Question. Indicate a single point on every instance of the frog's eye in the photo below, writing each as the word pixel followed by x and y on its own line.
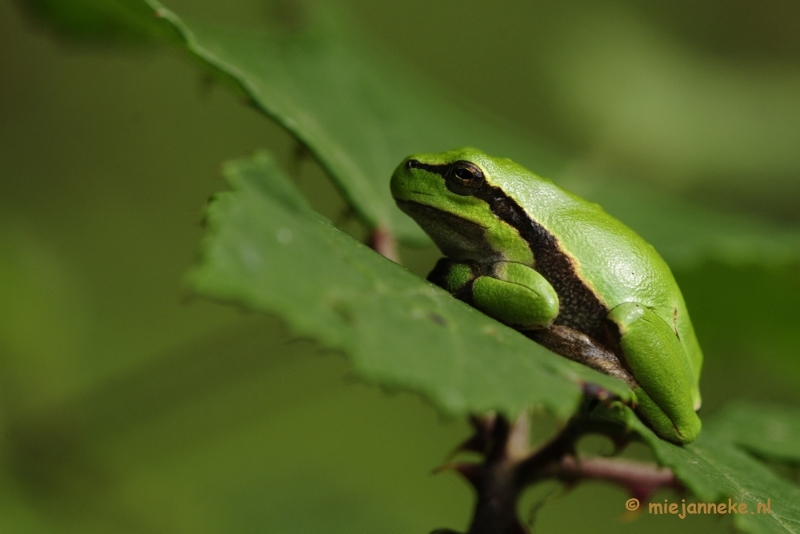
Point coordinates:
pixel 464 178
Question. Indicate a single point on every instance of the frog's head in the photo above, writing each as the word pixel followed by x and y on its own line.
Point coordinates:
pixel 449 196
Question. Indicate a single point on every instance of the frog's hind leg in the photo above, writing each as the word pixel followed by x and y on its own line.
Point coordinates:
pixel 653 354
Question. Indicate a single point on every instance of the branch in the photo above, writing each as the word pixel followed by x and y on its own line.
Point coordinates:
pixel 640 479
pixel 510 465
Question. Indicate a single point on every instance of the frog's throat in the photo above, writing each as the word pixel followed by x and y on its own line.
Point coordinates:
pixel 457 238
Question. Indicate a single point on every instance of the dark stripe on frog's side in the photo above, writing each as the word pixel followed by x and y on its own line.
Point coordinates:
pixel 579 307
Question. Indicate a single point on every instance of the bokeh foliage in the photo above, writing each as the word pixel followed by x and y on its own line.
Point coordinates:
pixel 120 447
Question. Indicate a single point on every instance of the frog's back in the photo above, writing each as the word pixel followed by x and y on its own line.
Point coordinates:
pixel 593 260
pixel 615 261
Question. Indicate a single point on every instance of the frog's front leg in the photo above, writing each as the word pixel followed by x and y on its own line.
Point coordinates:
pixel 512 293
pixel 656 358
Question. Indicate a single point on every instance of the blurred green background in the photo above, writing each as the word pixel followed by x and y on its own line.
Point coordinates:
pixel 128 406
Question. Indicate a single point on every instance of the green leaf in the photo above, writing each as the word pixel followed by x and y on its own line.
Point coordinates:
pixel 267 251
pixel 359 115
pixel 770 431
pixel 100 21
pixel 715 470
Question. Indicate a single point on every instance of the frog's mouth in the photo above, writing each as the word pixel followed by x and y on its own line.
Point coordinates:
pixel 457 238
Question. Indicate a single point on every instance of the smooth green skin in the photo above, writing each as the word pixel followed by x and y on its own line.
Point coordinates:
pixel 657 344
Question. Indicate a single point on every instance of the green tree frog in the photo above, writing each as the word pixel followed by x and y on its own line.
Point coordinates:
pixel 561 271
